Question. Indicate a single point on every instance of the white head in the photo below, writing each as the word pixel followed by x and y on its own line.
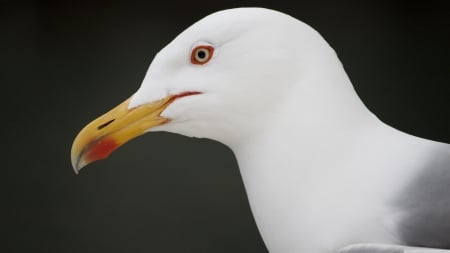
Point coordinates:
pixel 241 64
pixel 258 54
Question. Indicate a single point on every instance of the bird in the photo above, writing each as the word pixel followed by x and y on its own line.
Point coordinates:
pixel 321 171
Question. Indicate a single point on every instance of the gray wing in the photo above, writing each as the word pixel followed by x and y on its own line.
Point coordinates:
pixel 426 205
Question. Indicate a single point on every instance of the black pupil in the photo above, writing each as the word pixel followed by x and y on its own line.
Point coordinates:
pixel 201 54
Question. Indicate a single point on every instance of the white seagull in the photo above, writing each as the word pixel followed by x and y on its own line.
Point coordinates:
pixel 322 173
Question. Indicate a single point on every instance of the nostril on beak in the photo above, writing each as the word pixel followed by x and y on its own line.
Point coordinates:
pixel 105 124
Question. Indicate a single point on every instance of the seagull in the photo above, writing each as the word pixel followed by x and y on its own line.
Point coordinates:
pixel 322 173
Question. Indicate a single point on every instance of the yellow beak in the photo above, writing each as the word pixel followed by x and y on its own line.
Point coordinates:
pixel 105 134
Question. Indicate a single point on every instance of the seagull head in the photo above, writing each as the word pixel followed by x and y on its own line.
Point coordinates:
pixel 223 78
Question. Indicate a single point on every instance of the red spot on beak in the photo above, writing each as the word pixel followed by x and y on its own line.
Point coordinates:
pixel 101 149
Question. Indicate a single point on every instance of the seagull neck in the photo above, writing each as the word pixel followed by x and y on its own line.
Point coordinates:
pixel 299 149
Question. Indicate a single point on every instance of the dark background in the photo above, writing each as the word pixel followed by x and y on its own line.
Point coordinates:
pixel 66 64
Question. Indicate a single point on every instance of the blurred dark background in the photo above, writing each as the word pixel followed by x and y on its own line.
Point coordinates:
pixel 67 63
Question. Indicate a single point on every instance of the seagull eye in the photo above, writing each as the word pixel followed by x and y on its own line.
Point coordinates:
pixel 201 54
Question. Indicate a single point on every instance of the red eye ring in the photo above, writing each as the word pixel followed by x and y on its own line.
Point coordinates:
pixel 201 54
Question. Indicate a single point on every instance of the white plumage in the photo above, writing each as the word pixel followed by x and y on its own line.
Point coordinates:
pixel 320 170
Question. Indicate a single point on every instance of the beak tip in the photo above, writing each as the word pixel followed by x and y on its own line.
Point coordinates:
pixel 77 164
pixel 75 167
